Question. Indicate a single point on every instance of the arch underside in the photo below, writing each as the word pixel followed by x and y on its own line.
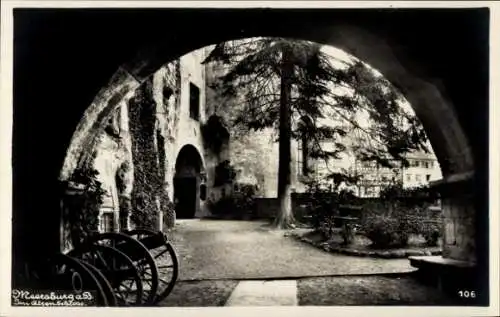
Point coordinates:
pixel 425 61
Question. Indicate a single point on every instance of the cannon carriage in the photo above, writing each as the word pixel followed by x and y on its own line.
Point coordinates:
pixel 120 266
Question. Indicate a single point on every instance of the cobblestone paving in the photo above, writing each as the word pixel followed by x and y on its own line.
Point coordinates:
pixel 218 249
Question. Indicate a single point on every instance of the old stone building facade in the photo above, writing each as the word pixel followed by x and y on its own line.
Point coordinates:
pixel 152 149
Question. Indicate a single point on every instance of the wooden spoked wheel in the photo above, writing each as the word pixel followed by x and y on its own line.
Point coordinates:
pixel 165 257
pixel 66 273
pixel 106 286
pixel 139 255
pixel 117 268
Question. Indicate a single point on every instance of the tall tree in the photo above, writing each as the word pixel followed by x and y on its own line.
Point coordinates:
pixel 285 216
pixel 295 86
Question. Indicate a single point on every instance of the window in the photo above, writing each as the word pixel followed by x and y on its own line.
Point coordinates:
pixel 426 164
pixel 428 177
pixel 431 164
pixel 369 191
pixel 408 177
pixel 417 178
pixel 194 101
pixel 107 222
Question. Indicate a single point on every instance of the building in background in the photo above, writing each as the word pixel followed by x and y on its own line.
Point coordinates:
pixel 423 168
pixel 152 150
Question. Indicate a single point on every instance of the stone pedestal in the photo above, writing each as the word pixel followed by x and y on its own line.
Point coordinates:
pixel 459 229
pixel 456 270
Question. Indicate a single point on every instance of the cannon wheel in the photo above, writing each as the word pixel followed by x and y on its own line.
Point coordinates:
pixel 66 273
pixel 117 268
pixel 140 256
pixel 166 260
pixel 106 286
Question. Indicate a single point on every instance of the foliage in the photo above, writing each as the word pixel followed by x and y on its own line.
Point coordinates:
pixel 84 206
pixel 272 79
pixel 168 210
pixel 385 231
pixel 343 177
pixel 147 181
pixel 390 221
pixel 224 173
pixel 253 70
pixel 431 231
pixel 423 194
pixel 239 204
pixel 406 211
pixel 214 133
pixel 324 206
pixel 244 197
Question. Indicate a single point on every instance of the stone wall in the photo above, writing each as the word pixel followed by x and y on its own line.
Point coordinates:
pixel 113 152
pixel 459 218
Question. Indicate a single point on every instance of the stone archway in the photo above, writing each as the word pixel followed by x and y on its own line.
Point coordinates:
pixel 418 58
pixel 413 77
pixel 188 181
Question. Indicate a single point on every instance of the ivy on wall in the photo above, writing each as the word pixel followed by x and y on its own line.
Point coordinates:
pixel 149 194
pixel 147 181
pixel 166 204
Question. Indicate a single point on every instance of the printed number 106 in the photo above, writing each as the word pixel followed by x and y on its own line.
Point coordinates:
pixel 467 294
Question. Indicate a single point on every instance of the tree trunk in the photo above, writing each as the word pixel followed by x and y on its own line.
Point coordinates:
pixel 284 218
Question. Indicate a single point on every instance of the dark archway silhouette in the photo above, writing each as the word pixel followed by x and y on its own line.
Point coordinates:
pixel 59 74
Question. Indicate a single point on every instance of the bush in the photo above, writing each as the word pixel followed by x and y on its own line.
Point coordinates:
pixel 84 207
pixel 325 227
pixel 391 223
pixel 168 210
pixel 240 204
pixel 431 231
pixel 385 231
pixel 323 206
pixel 222 206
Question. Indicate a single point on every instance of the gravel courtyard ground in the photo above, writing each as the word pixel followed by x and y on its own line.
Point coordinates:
pixel 216 255
pixel 236 250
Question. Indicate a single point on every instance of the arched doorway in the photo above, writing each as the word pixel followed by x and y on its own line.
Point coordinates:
pixel 188 182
